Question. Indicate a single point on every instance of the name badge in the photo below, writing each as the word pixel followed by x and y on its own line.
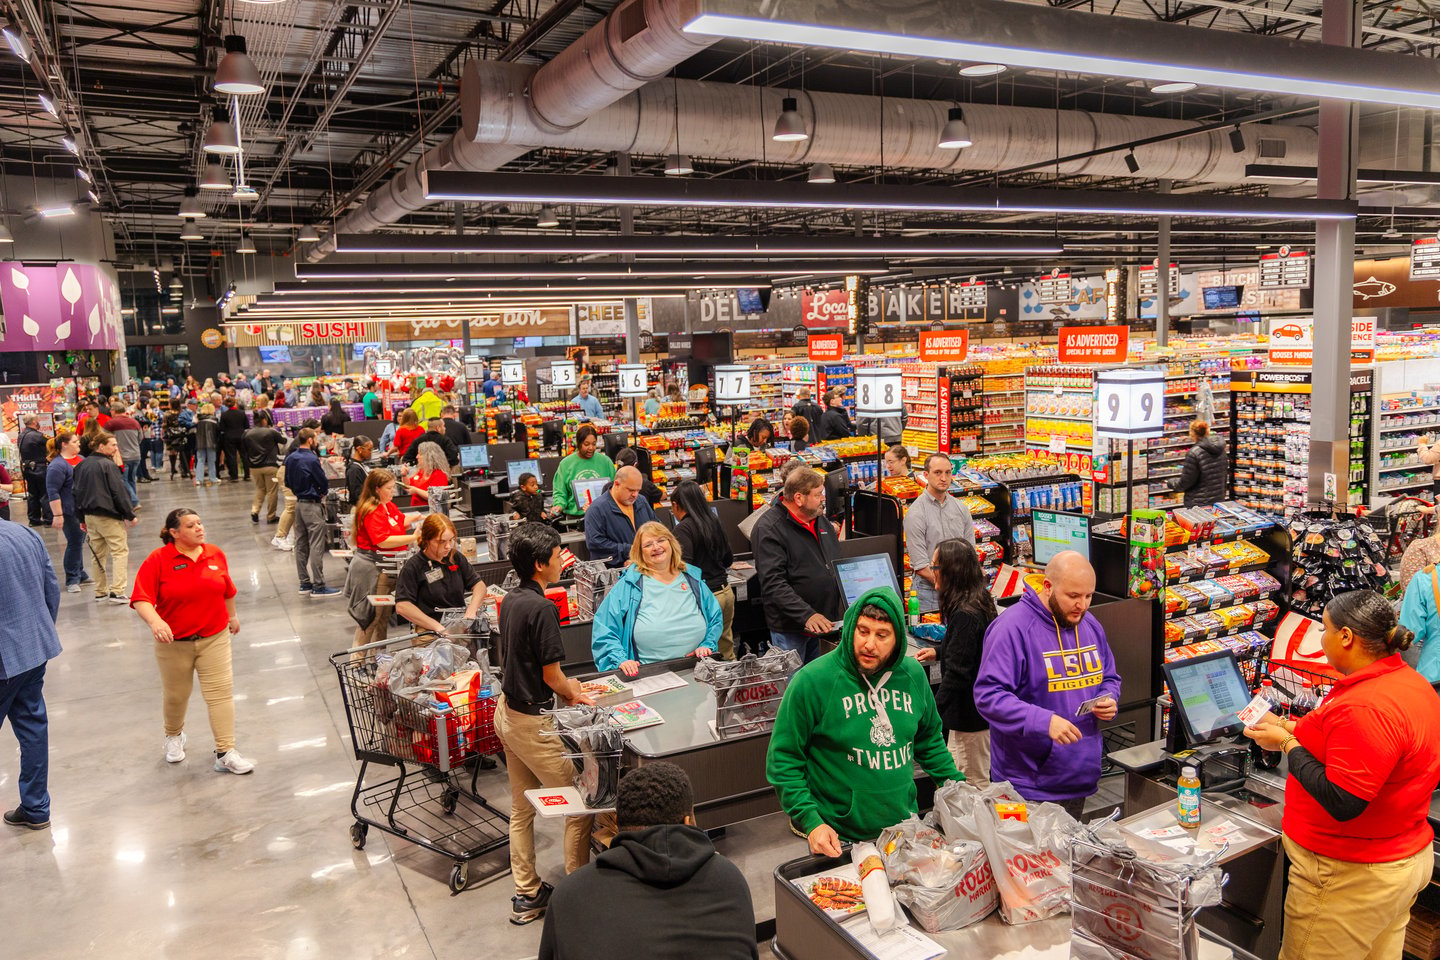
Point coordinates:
pixel 434 576
pixel 214 567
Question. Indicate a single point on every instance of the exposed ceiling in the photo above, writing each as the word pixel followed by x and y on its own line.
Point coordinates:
pixel 358 90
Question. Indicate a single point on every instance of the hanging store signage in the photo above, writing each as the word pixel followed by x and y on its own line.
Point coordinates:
pixel 1094 344
pixel 562 373
pixel 212 338
pixel 1362 339
pixel 243 334
pixel 541 322
pixel 949 346
pixel 1116 299
pixel 1292 340
pixel 633 380
pixel 878 392
pixel 857 293
pixel 825 347
pixel 1285 269
pixel 1425 259
pixel 1055 288
pixel 512 371
pixel 732 384
pixel 474 368
pixel 824 308
pixel 1150 281
pixel 971 295
pixel 1129 404
pixel 70 306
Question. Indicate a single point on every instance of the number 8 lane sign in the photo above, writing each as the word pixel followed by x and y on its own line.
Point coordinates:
pixel 1129 404
pixel 877 392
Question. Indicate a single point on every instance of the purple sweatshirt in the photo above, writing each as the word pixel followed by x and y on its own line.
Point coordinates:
pixel 1026 676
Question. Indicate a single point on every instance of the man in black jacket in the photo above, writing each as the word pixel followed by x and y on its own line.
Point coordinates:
pixel 103 503
pixel 835 422
pixel 434 433
pixel 261 444
pixel 355 470
pixel 32 468
pixel 810 410
pixel 794 545
pixel 660 890
pixel 306 478
pixel 454 429
pixel 232 432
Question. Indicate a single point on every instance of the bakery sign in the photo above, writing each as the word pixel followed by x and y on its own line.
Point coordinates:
pixel 268 334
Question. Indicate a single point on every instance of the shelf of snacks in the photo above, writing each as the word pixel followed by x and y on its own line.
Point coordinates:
pixel 819 377
pixel 1003 412
pixel 943 406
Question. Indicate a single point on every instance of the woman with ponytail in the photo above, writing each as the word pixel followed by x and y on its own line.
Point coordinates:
pixel 1363 768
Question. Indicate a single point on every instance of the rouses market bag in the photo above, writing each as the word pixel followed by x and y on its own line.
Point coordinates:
pixel 1030 858
pixel 945 884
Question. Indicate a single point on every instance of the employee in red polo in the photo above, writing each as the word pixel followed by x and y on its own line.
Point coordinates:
pixel 185 595
pixel 1363 768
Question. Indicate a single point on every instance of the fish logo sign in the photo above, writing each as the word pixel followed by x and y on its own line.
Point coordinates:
pixel 1372 288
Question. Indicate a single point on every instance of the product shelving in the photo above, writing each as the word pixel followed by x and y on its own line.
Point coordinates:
pixel 819 377
pixel 943 406
pixel 1402 421
pixel 1059 401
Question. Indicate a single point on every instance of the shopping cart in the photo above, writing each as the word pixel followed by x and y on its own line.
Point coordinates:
pixel 430 801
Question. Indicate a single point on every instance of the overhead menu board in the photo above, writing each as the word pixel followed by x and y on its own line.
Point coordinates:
pixel 1285 270
pixel 970 295
pixel 1425 259
pixel 1150 281
pixel 1055 288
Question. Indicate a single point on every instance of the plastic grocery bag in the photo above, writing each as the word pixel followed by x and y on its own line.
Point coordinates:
pixel 945 884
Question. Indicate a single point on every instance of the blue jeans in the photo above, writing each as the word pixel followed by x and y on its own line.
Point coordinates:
pixel 157 454
pixel 74 561
pixel 132 470
pixel 205 466
pixel 805 644
pixel 22 702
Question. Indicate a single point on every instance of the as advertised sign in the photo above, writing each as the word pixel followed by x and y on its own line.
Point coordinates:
pixel 826 347
pixel 877 392
pixel 633 381
pixel 732 384
pixel 1292 340
pixel 1129 404
pixel 824 308
pixel 512 371
pixel 948 346
pixel 1094 344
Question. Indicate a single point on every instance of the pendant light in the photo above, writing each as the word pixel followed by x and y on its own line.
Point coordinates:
pixel 1131 163
pixel 191 230
pixel 190 206
pixel 222 137
pixel 15 37
pixel 956 134
pixel 246 245
pixel 245 192
pixel 789 126
pixel 308 234
pixel 821 173
pixel 236 74
pixel 678 165
pixel 547 217
pixel 215 177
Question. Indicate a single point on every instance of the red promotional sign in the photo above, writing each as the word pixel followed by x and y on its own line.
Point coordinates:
pixel 826 347
pixel 553 800
pixel 1094 344
pixel 944 346
pixel 825 308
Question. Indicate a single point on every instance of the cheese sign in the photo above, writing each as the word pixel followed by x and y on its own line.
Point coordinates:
pixel 633 382
pixel 944 346
pixel 826 347
pixel 512 371
pixel 1094 344
pixel 732 384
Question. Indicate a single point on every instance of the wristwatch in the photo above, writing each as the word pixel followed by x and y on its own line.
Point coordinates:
pixel 1285 745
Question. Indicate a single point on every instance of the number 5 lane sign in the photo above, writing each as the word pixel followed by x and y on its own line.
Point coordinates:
pixel 1129 404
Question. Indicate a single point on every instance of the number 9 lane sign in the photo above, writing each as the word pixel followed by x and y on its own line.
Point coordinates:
pixel 732 385
pixel 1129 404
pixel 878 392
pixel 632 379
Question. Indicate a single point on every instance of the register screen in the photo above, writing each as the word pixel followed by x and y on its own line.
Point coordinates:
pixel 1209 691
pixel 864 573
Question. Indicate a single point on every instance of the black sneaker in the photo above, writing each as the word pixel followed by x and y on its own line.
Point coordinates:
pixel 254 518
pixel 17 819
pixel 523 910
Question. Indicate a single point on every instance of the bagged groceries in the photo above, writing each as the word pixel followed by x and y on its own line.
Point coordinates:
pixel 593 741
pixel 945 884
pixel 1027 845
pixel 748 691
pixel 874 886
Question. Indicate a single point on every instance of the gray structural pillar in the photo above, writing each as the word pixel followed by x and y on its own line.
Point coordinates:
pixel 1162 278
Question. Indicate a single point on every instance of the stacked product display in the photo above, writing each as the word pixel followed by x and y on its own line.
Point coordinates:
pixel 1333 557
pixel 819 377
pixel 1403 422
pixel 1004 408
pixel 1059 424
pixel 943 406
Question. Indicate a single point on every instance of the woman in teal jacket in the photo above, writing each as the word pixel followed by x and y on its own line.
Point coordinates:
pixel 660 609
pixel 1419 614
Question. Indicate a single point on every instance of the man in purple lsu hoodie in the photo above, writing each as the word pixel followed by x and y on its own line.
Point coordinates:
pixel 1044 658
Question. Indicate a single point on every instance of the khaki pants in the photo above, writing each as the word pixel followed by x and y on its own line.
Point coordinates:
pixel 209 657
pixel 533 761
pixel 380 624
pixel 111 540
pixel 1337 910
pixel 287 517
pixel 267 490
pixel 726 599
pixel 972 755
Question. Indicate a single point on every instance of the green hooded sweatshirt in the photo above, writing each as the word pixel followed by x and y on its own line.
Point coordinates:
pixel 832 759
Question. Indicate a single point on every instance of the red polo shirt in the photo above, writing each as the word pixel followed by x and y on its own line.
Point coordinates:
pixel 380 524
pixel 808 524
pixel 436 478
pixel 188 594
pixel 1378 734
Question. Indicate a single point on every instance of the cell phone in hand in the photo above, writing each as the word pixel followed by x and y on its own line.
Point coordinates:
pixel 1088 705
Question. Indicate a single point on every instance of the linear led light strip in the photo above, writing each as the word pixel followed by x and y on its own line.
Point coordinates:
pixel 579 271
pixel 1071 41
pixel 716 246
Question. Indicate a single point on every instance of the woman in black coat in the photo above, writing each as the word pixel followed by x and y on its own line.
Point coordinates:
pixel 967 609
pixel 1204 476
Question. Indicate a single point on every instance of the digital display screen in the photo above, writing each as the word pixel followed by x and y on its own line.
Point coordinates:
pixel 859 574
pixel 1209 692
pixel 474 456
pixel 358 349
pixel 1056 532
pixel 588 491
pixel 1221 298
pixel 749 298
pixel 516 467
pixel 274 354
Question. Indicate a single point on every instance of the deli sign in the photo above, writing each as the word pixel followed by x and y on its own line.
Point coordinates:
pixel 825 308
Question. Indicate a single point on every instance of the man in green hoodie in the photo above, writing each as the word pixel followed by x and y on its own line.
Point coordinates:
pixel 850 728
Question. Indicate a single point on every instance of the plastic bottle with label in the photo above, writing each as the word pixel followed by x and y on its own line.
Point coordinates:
pixel 1187 811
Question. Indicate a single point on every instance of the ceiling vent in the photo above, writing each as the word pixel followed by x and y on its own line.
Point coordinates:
pixel 1272 149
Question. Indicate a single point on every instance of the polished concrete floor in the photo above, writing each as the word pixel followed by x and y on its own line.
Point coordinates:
pixel 158 861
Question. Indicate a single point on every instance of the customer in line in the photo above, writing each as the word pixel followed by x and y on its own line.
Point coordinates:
pixel 659 609
pixel 852 726
pixel 455 431
pixel 799 433
pixel 305 478
pixel 379 531
pixel 437 577
pixel 262 453
pixel 1030 688
pixel 370 401
pixel 1206 468
pixel 427 405
pixel 355 469
pixel 184 594
pixel 589 404
pixel 431 471
pixel 967 609
pixel 434 433
pixel 60 488
pixel 835 422
pixel 808 410
pixel 652 402
pixel 760 434
pixel 649 489
pixel 897 460
pixel 794 545
pixel 334 421
pixel 232 433
pixel 128 434
pixel 28 641
pixel 661 869
pixel 703 545
pixel 586 463
pixel 933 517
pixel 177 438
pixel 612 521
pixel 207 445
pixel 103 505
pixel 1363 769
pixel 1423 553
pixel 527 502
pixel 406 433
pixel 531 651
pixel 284 538
pixel 32 448
pixel 387 435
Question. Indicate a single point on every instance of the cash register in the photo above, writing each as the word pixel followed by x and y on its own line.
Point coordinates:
pixel 1207 694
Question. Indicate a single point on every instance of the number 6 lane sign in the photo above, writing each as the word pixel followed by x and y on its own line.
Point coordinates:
pixel 632 379
pixel 1129 404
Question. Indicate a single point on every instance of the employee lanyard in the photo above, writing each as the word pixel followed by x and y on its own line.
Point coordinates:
pixel 882 730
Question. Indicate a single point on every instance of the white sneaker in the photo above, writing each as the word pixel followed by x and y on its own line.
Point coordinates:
pixel 232 762
pixel 175 748
pixel 288 544
pixel 73 588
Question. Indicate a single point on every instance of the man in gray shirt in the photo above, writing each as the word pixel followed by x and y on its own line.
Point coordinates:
pixel 934 517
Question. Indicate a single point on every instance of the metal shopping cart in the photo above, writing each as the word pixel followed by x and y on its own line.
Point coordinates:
pixel 434 745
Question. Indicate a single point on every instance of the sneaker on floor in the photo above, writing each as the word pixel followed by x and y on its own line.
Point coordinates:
pixel 305 589
pixel 101 597
pixel 175 748
pixel 254 518
pixel 119 598
pixel 232 762
pixel 525 910
pixel 17 818
pixel 86 580
pixel 72 588
pixel 324 593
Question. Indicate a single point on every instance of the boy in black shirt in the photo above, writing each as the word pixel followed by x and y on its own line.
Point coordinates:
pixel 527 503
pixel 532 650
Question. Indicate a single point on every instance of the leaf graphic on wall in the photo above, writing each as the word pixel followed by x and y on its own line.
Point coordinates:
pixel 70 287
pixel 28 324
pixel 94 320
pixel 62 332
pixel 21 281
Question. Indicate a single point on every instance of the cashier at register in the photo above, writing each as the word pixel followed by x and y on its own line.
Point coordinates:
pixel 1363 769
pixel 437 577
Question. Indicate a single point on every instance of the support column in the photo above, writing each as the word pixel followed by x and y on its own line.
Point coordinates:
pixel 1162 278
pixel 1334 278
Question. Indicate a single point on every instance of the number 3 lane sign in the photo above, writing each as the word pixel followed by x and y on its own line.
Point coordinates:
pixel 1129 404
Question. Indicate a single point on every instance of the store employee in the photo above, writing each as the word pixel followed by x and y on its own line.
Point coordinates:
pixel 437 578
pixel 933 518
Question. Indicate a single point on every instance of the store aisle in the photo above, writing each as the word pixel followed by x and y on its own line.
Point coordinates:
pixel 146 859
